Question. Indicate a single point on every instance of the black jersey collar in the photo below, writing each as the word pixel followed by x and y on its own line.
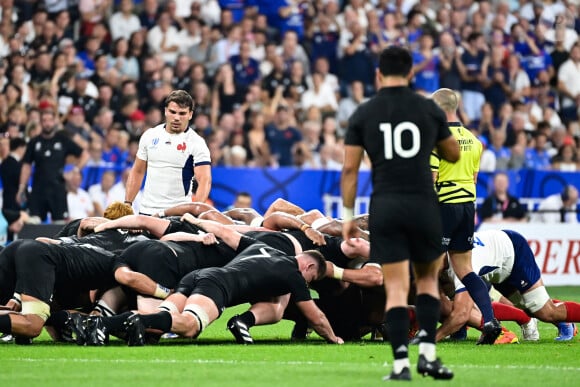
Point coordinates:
pixel 455 123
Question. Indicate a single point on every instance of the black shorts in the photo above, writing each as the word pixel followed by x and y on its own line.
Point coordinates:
pixel 50 199
pixel 196 283
pixel 404 227
pixel 458 221
pixel 153 258
pixel 36 270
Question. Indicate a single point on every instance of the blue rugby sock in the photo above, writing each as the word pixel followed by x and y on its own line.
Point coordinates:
pixel 478 291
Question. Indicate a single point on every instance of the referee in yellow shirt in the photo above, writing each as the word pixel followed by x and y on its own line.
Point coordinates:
pixel 455 186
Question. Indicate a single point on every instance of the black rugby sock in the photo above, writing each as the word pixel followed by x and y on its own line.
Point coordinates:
pixel 5 324
pixel 115 323
pixel 248 318
pixel 397 320
pixel 58 319
pixel 428 311
pixel 161 320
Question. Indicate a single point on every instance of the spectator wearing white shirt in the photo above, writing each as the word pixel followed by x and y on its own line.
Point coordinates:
pixel 322 67
pixel 320 96
pixel 124 22
pixel 164 39
pixel 348 105
pixel 559 207
pixel 100 192
pixel 78 200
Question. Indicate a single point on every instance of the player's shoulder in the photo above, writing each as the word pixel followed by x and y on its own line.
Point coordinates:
pixel 154 131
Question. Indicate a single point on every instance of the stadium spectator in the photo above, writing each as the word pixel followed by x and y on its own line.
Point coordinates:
pixel 559 207
pixel 100 192
pixel 472 65
pixel 281 136
pixel 124 22
pixel 10 173
pixel 79 202
pixel 500 205
pixel 566 159
pixel 163 39
pixel 537 157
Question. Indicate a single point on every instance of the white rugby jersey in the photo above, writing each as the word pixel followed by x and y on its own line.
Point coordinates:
pixel 170 161
pixel 492 257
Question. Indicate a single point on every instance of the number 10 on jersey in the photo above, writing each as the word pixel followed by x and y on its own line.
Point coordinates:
pixel 394 142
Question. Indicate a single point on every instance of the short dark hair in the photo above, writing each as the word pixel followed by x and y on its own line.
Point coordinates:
pixel 395 61
pixel 16 142
pixel 320 262
pixel 181 98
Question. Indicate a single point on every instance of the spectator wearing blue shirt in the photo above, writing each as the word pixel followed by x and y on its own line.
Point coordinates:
pixel 324 43
pixel 497 87
pixel 236 7
pixel 473 69
pixel 426 66
pixel 356 63
pixel 281 136
pixel 501 152
pixel 246 69
pixel 538 157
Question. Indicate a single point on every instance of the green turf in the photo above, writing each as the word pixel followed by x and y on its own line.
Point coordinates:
pixel 214 360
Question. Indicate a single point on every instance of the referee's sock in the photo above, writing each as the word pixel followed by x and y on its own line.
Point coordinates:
pixel 397 322
pixel 478 291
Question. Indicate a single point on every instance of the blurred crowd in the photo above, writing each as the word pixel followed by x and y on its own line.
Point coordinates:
pixel 275 81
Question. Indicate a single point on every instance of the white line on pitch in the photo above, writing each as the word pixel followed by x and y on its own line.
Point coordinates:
pixel 297 362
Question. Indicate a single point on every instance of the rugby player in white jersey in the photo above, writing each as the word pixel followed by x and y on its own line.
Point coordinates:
pixel 175 159
pixel 504 259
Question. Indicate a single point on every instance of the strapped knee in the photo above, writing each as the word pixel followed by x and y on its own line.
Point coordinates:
pixel 200 314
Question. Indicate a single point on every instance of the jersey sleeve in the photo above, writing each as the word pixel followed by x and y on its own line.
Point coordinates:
pixel 29 154
pixel 478 151
pixel 143 142
pixel 299 288
pixel 434 161
pixel 72 148
pixel 200 152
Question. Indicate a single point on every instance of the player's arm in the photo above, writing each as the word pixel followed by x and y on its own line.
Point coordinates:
pixel 367 276
pixel 459 316
pixel 282 220
pixel 135 179
pixel 206 239
pixel 87 225
pixel 281 205
pixel 348 185
pixel 140 283
pixel 318 321
pixel 203 176
pixel 227 234
pixel 155 226
pixel 194 208
pixel 448 149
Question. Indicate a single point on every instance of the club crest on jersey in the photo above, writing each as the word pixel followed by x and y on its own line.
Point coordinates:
pixel 182 147
pixel 155 141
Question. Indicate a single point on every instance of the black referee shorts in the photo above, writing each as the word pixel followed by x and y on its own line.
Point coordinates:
pixel 458 221
pixel 404 227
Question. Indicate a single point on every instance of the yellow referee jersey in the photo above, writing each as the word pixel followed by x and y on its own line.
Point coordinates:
pixel 455 182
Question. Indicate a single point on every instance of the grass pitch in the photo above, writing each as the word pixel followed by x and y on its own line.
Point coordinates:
pixel 215 360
